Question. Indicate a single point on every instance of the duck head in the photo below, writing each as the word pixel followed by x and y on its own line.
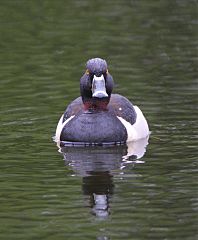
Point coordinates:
pixel 96 85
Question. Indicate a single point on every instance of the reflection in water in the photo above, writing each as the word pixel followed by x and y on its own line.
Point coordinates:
pixel 99 187
pixel 97 165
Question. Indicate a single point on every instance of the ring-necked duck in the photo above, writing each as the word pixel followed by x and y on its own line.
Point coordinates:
pixel 99 117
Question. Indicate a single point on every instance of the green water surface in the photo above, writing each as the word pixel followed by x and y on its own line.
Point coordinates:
pixel 151 50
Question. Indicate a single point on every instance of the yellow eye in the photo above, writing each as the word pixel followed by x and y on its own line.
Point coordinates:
pixel 87 72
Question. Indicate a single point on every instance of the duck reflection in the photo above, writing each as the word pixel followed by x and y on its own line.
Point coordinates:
pixel 99 187
pixel 97 166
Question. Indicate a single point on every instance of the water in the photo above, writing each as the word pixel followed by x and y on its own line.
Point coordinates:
pixel 96 193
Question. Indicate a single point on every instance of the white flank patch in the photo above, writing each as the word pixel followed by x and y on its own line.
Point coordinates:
pixel 139 129
pixel 137 148
pixel 60 127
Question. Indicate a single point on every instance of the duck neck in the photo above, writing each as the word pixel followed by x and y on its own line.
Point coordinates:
pixel 96 104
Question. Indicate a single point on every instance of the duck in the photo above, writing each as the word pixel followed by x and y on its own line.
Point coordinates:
pixel 98 116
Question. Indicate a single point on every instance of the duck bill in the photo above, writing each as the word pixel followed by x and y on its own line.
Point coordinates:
pixel 98 87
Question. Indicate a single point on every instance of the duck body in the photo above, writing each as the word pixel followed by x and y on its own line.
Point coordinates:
pixel 99 117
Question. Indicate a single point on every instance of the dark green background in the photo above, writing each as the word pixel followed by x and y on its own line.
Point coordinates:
pixel 150 47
